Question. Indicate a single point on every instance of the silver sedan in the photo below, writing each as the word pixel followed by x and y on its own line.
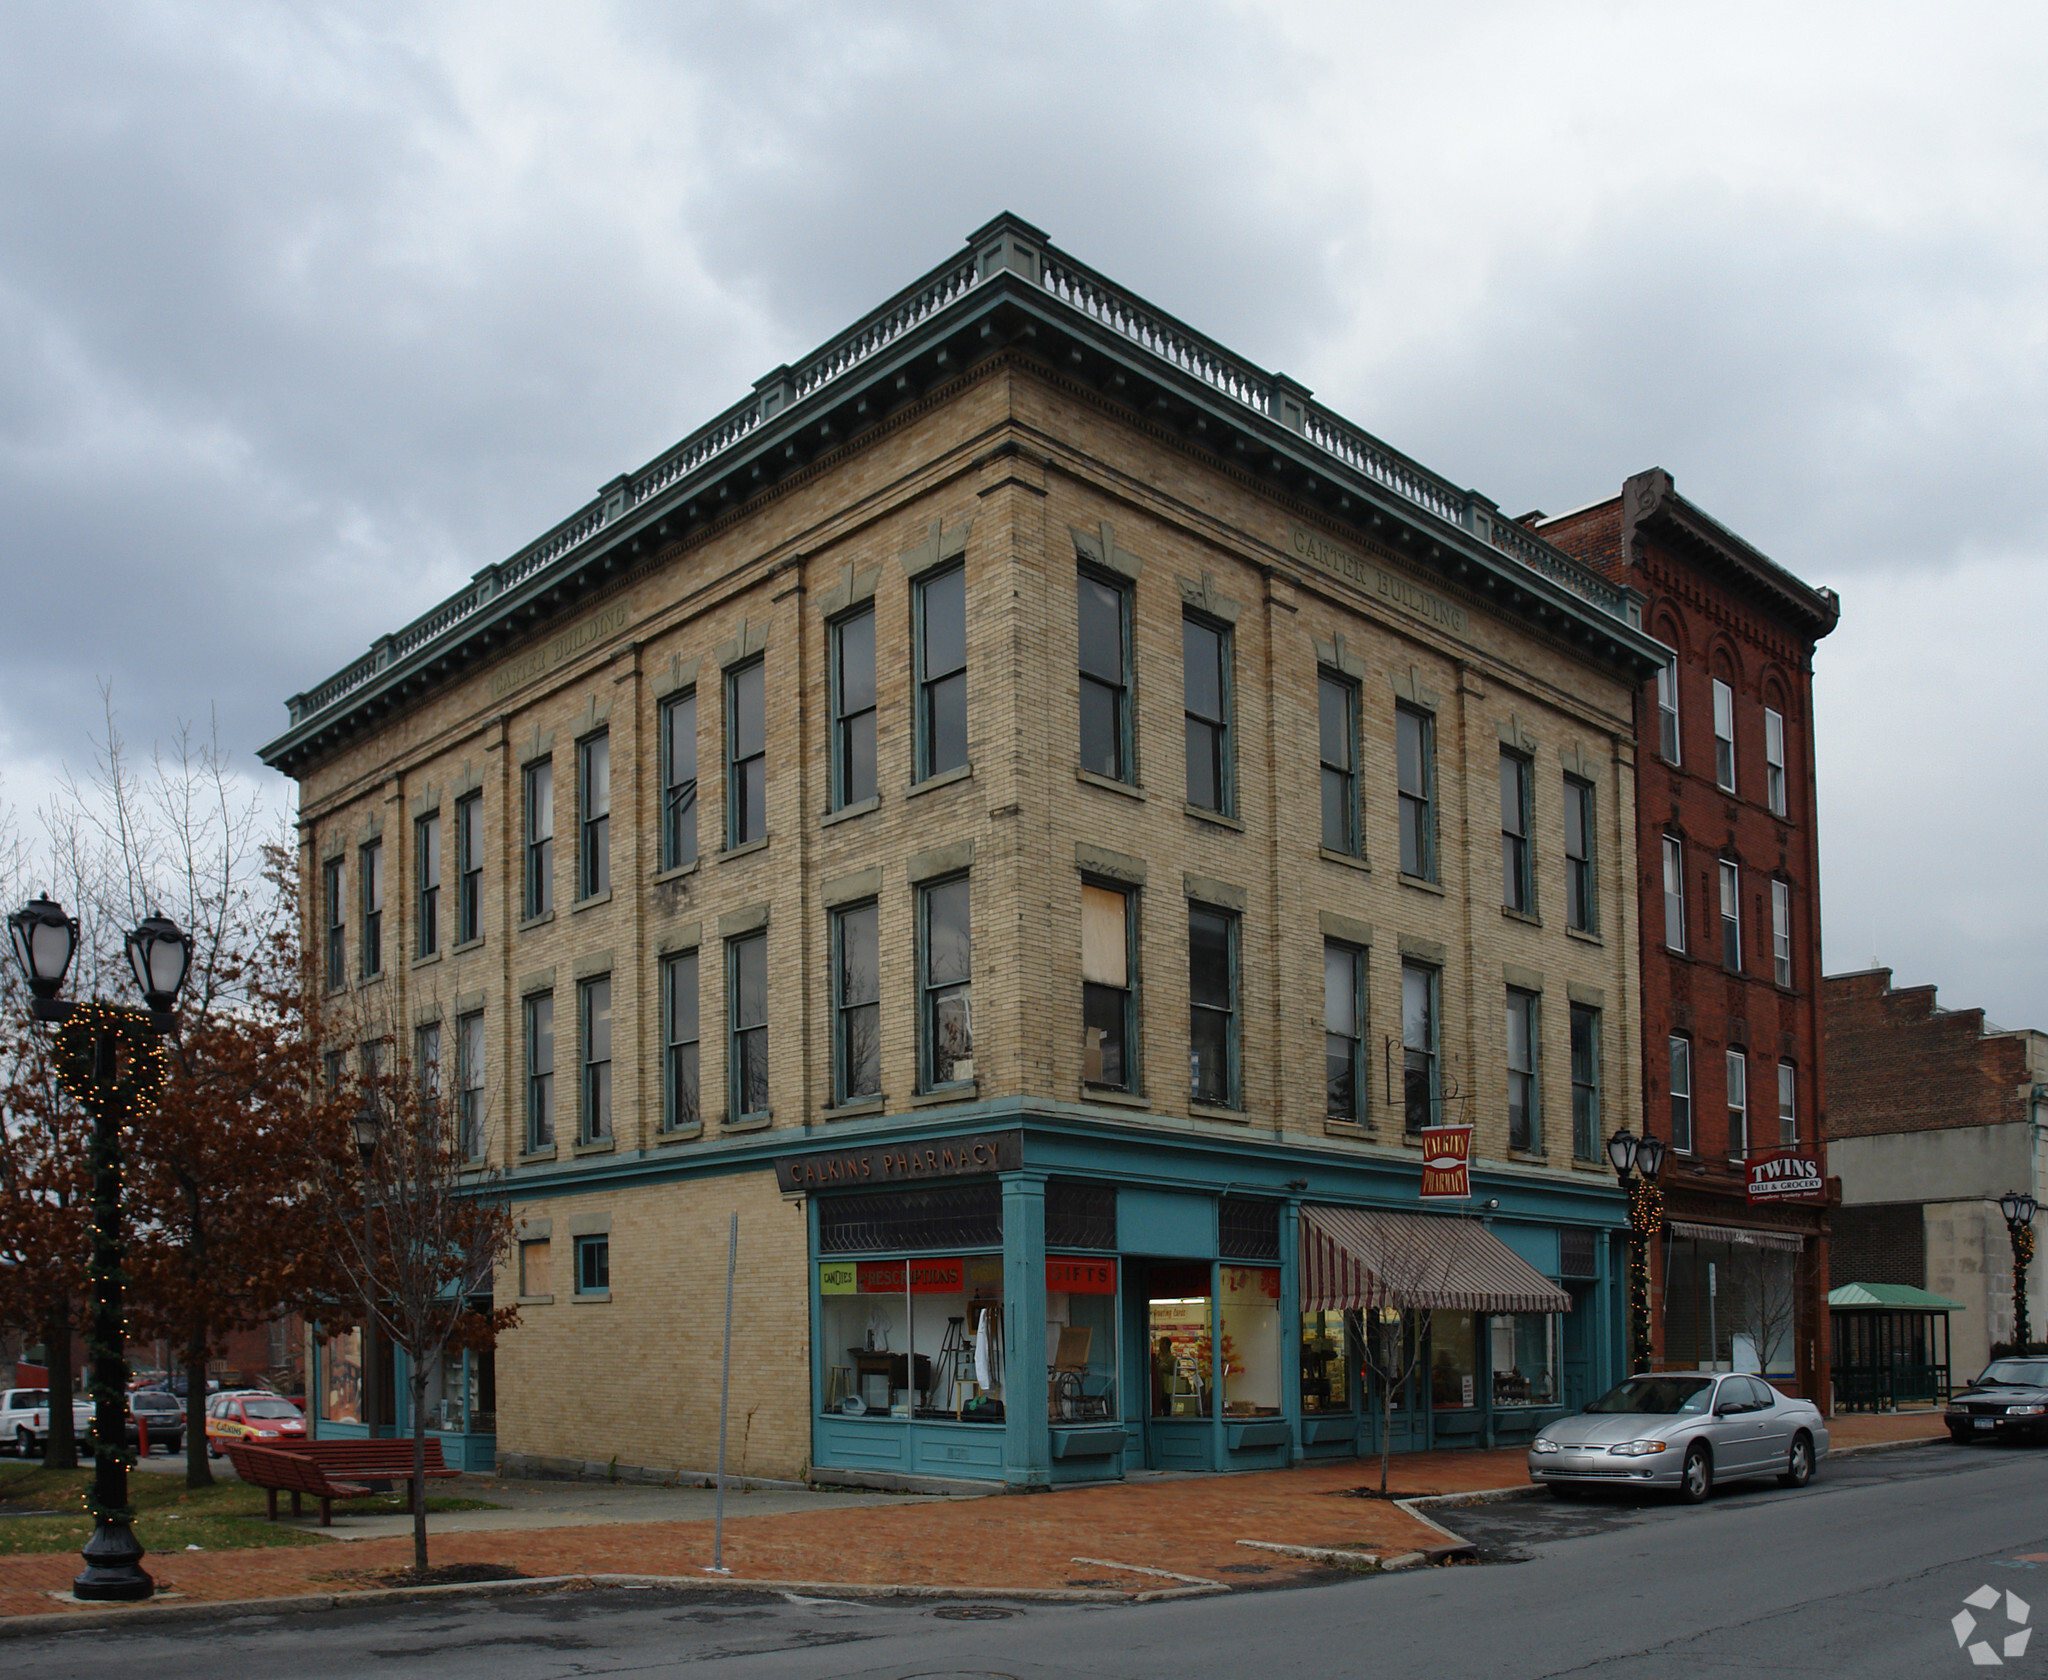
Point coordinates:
pixel 1683 1432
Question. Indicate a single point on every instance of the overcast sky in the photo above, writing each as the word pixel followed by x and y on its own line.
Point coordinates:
pixel 308 311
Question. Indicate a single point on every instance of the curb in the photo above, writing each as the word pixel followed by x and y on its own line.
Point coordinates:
pixel 222 1609
pixel 1888 1446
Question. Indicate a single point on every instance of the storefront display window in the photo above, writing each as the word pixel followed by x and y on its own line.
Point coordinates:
pixel 1325 1363
pixel 341 1371
pixel 1251 1340
pixel 1081 1338
pixel 1453 1360
pixel 914 1338
pixel 1524 1349
pixel 1178 1333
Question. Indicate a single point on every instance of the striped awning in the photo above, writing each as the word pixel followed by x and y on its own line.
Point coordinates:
pixel 1790 1242
pixel 1362 1257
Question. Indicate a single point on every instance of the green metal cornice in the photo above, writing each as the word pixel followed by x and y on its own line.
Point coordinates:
pixel 1011 290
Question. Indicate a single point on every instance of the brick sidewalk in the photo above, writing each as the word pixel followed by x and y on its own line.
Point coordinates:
pixel 1189 1526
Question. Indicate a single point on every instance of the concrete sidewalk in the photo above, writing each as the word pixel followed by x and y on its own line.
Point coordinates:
pixel 1133 1537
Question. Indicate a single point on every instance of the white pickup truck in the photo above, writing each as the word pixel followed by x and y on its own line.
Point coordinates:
pixel 25 1418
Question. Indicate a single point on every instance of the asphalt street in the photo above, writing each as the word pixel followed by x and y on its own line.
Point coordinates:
pixel 1860 1574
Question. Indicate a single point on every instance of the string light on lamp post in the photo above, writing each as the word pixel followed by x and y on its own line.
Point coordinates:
pixel 1637 1161
pixel 111 1062
pixel 2019 1209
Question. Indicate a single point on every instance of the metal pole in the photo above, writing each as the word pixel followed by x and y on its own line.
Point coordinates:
pixel 113 1556
pixel 732 1255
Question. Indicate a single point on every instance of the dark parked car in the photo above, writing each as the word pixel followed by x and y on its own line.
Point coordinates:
pixel 2010 1400
pixel 165 1415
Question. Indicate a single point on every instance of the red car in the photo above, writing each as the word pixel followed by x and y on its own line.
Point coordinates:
pixel 251 1417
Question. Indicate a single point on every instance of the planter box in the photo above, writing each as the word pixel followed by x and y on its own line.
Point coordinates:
pixel 1266 1432
pixel 1089 1443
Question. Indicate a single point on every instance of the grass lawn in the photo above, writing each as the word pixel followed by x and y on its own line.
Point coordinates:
pixel 169 1516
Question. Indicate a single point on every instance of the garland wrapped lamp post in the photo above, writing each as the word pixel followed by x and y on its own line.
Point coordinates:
pixel 1636 1163
pixel 110 1062
pixel 2019 1209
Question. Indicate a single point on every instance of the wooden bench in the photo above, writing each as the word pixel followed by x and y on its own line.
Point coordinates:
pixel 363 1467
pixel 276 1472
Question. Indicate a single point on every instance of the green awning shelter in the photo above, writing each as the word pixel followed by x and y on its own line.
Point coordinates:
pixel 1890 1344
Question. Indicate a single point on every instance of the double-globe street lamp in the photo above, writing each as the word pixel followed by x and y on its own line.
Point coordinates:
pixel 2019 1209
pixel 1637 1161
pixel 111 1062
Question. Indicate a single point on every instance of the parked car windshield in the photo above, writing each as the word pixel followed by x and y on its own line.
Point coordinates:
pixel 269 1409
pixel 2016 1373
pixel 1657 1396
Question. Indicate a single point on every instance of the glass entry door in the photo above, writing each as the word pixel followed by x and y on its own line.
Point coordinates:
pixel 1396 1347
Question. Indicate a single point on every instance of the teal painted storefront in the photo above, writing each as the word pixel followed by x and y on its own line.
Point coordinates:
pixel 1197 1215
pixel 461 1413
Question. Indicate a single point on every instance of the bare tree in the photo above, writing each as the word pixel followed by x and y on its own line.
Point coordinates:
pixel 418 1229
pixel 1765 1299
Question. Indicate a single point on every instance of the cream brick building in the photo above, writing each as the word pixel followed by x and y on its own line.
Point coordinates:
pixel 994 724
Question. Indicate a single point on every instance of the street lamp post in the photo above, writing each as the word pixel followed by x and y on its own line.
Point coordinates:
pixel 1637 1161
pixel 111 1062
pixel 2019 1209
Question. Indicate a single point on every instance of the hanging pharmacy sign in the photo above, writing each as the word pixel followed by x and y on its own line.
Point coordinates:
pixel 1788 1175
pixel 1446 1158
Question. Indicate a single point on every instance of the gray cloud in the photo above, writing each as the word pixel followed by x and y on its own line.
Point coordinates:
pixel 308 310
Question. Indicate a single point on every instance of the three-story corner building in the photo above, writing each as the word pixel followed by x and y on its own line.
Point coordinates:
pixel 1729 876
pixel 1034 814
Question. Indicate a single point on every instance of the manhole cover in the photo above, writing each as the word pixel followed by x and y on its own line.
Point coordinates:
pixel 973 1613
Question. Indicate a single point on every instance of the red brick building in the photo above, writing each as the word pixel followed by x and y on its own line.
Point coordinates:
pixel 1730 928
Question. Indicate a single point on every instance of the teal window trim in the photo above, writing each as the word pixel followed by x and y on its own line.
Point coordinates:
pixel 677 723
pixel 928 683
pixel 593 1262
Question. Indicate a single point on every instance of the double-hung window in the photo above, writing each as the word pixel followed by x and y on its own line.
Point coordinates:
pixel 1419 1089
pixel 1724 736
pixel 941 608
pixel 1415 767
pixel 1107 1015
pixel 1738 1104
pixel 1212 1006
pixel 1517 876
pixel 1525 1119
pixel 334 893
pixel 746 754
pixel 945 984
pixel 594 1265
pixel 426 1068
pixel 426 851
pixel 539 802
pixel 1581 899
pixel 1105 624
pixel 857 1007
pixel 1205 678
pixel 469 868
pixel 1667 709
pixel 681 1105
pixel 1731 917
pixel 747 1012
pixel 540 1072
pixel 1681 1093
pixel 1774 759
pixel 1585 1082
pixel 1674 893
pixel 853 709
pixel 679 780
pixel 594 1027
pixel 1788 1103
pixel 373 908
pixel 469 1085
pixel 1337 731
pixel 1781 932
pixel 594 816
pixel 1343 1032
